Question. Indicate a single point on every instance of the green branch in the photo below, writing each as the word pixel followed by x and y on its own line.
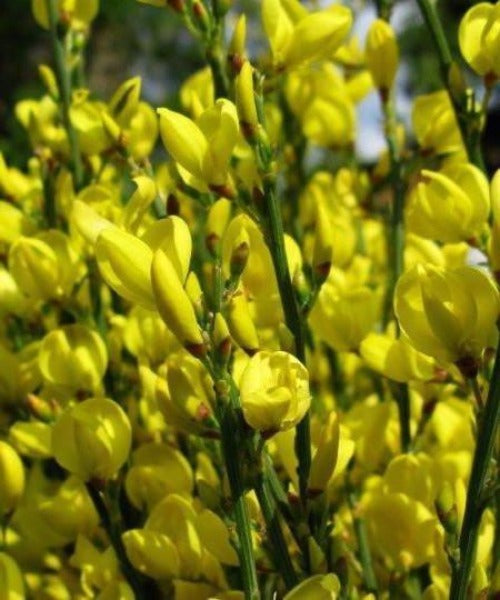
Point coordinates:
pixel 64 83
pixel 475 502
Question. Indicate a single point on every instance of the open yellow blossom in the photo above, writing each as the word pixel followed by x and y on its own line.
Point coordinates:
pixel 274 391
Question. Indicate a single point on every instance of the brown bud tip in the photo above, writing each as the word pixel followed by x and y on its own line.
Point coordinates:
pixel 173 206
pixel 203 412
pixel 323 270
pixel 312 493
pixel 469 366
pixel 223 191
pixel 197 350
pixel 212 243
pixel 249 131
pixel 177 5
pixel 235 62
pixel 225 348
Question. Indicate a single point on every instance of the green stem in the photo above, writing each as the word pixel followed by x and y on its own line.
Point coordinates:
pixel 64 83
pixel 365 557
pixel 471 139
pixel 474 505
pixel 133 578
pixel 275 240
pixel 232 453
pixel 401 394
pixel 215 56
pixel 281 555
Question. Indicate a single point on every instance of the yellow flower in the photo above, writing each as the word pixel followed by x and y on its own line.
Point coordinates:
pixel 202 150
pixel 449 314
pixel 317 587
pixel 11 479
pixel 11 578
pixel 173 303
pixel 395 358
pixel 73 356
pixel 152 553
pixel 342 315
pixel 274 389
pixel 245 99
pixel 449 206
pixel 479 38
pixel 92 439
pixel 79 12
pixel 157 470
pixel 325 458
pixel 435 124
pixel 297 37
pixel 382 54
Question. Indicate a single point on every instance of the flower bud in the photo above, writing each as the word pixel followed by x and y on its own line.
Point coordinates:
pixel 446 509
pixel 245 102
pixel 236 54
pixel 241 325
pixel 217 220
pixel 11 479
pixel 479 39
pixel 73 356
pixel 240 253
pixel 152 553
pixel 125 262
pixel 174 305
pixel 92 439
pixel 221 338
pixel 317 587
pixel 382 55
pixel 274 390
pixel 323 247
pixel 325 458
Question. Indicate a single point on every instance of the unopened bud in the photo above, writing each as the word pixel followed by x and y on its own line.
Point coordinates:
pixel 236 55
pixel 446 509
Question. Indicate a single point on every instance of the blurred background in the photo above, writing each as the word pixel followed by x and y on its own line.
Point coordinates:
pixel 130 38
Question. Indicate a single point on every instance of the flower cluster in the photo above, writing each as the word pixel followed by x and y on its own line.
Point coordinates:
pixel 254 367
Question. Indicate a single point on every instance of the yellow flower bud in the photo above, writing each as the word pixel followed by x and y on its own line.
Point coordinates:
pixel 382 54
pixel 11 579
pixel 236 52
pixel 325 459
pixel 139 203
pixel 322 252
pixel 13 223
pixel 330 122
pixel 157 470
pixel 317 587
pixel 214 535
pixel 449 314
pixel 125 263
pixel 245 100
pixel 173 237
pixel 479 38
pixel 450 206
pixel 73 356
pixel 274 389
pixel 152 553
pixel 88 222
pixel 173 303
pixel 197 92
pixel 217 220
pixel 11 479
pixel 92 439
pixel 241 324
pixel 221 336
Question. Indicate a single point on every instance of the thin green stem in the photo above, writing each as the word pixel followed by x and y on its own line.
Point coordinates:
pixel 64 82
pixel 471 136
pixel 365 557
pixel 243 526
pixel 275 240
pixel 281 556
pixel 132 577
pixel 401 394
pixel 475 502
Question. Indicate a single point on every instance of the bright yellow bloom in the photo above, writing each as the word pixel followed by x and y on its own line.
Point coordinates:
pixel 73 356
pixel 245 99
pixel 152 553
pixel 325 459
pixel 449 314
pixel 11 479
pixel 297 37
pixel 382 54
pixel 449 206
pixel 479 38
pixel 203 149
pixel 92 439
pixel 274 391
